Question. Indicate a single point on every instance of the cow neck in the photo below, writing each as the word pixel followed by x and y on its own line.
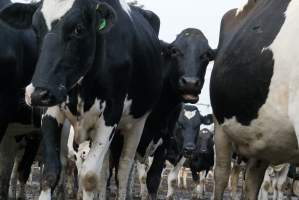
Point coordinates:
pixel 169 99
pixel 92 84
pixel 4 3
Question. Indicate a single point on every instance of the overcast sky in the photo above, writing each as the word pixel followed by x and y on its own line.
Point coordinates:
pixel 177 15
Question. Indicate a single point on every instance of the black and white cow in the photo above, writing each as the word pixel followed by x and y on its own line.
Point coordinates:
pixel 100 67
pixel 18 55
pixel 253 90
pixel 179 143
pixel 188 145
pixel 184 62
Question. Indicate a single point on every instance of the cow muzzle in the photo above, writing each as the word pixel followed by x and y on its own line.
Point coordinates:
pixel 39 97
pixel 190 89
pixel 189 150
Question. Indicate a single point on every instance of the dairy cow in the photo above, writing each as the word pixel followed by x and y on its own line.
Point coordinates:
pixel 253 90
pixel 185 61
pixel 99 66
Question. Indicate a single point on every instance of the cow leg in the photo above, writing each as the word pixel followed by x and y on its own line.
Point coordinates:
pixel 198 192
pixel 172 176
pixel 185 175
pixel 60 191
pixel 131 141
pixel 92 166
pixel 8 151
pixel 223 152
pixel 234 180
pixel 180 176
pixel 282 181
pixel 265 188
pixel 102 186
pixel 254 177
pixel 3 128
pixel 141 168
pixel 14 175
pixel 24 168
pixel 153 178
pixel 51 132
pixel 131 182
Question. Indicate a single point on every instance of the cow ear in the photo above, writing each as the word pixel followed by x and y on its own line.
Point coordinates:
pixel 169 51
pixel 208 119
pixel 19 15
pixel 107 17
pixel 212 54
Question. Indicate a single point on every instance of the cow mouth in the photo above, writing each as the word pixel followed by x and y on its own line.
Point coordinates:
pixel 190 98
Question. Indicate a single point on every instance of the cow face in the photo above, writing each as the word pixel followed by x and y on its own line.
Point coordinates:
pixel 69 35
pixel 188 57
pixel 205 141
pixel 187 128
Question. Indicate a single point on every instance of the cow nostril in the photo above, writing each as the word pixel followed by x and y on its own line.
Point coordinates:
pixel 197 83
pixel 189 149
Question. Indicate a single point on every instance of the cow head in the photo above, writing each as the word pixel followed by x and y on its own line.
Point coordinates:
pixel 69 35
pixel 187 128
pixel 205 141
pixel 187 59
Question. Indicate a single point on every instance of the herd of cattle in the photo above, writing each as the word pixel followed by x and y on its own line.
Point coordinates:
pixel 103 93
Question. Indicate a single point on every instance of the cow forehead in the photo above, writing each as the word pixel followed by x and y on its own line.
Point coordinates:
pixel 189 114
pixel 53 10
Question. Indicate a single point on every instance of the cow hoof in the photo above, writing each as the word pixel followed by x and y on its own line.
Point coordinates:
pixel 170 198
pixel 197 196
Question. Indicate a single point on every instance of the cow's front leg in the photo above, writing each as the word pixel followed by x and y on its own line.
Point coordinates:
pixel 51 132
pixel 3 128
pixel 153 178
pixel 254 178
pixel 92 166
pixel 172 177
pixel 223 149
pixel 131 141
pixel 8 150
pixel 141 169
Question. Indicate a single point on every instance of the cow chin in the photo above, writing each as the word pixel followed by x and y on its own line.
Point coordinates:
pixel 190 98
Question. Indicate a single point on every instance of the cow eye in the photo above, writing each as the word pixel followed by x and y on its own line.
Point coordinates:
pixel 79 30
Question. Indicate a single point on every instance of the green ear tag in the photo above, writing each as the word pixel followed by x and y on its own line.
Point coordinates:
pixel 103 24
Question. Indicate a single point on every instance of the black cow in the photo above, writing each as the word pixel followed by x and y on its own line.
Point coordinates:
pixel 99 66
pixel 185 61
pixel 188 145
pixel 18 55
pixel 254 91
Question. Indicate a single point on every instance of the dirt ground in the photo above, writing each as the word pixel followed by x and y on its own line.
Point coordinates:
pixel 32 188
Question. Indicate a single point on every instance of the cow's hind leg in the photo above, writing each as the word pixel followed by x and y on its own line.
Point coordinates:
pixel 131 141
pixel 234 180
pixel 254 178
pixel 223 149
